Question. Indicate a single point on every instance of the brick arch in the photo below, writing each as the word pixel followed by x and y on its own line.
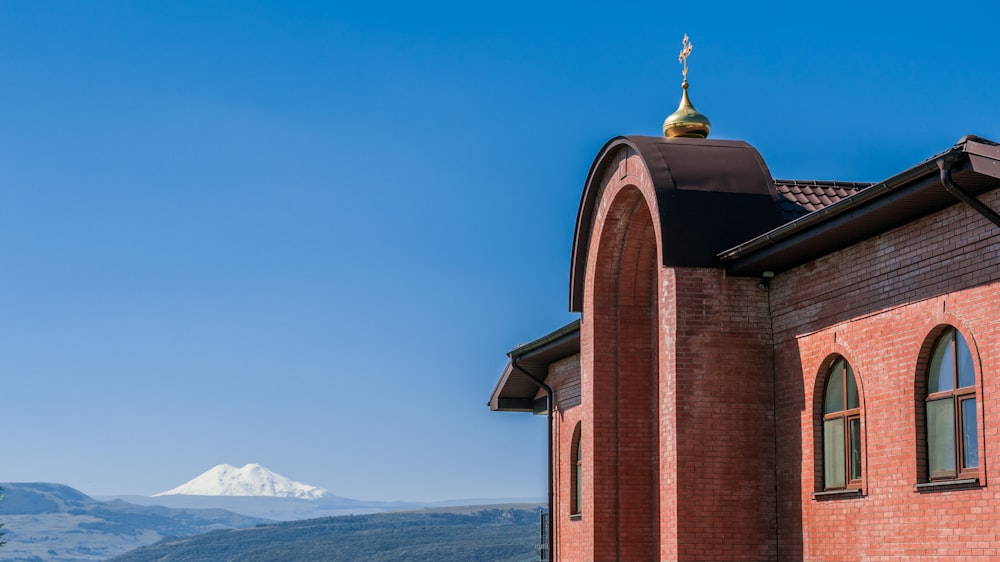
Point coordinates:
pixel 623 314
pixel 643 222
pixel 673 175
pixel 933 329
pixel 575 502
pixel 837 351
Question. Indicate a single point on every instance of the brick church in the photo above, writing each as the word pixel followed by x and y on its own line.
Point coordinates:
pixel 770 369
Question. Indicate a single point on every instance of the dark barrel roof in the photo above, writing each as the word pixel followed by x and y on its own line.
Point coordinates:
pixel 710 195
pixel 717 205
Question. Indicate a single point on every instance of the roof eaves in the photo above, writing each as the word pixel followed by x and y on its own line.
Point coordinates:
pixel 511 391
pixel 861 198
pixel 544 341
pixel 495 401
pixel 801 197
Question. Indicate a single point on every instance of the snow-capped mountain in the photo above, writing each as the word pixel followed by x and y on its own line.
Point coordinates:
pixel 251 480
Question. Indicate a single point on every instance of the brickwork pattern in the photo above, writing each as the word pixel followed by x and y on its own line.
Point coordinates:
pixel 698 396
pixel 620 380
pixel 571 533
pixel 564 378
pixel 677 396
pixel 725 424
pixel 880 304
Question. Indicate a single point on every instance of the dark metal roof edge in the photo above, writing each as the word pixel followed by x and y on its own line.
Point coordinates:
pixel 981 146
pixel 553 339
pixel 824 183
pixel 584 215
pixel 568 331
pixel 861 198
pixel 495 395
pixel 660 176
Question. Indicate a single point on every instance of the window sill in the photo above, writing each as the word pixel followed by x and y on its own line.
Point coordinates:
pixel 838 494
pixel 946 485
pixel 576 517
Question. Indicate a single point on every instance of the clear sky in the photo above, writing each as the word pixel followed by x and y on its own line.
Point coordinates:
pixel 305 234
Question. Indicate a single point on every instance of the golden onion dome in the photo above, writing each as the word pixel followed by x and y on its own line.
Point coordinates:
pixel 686 121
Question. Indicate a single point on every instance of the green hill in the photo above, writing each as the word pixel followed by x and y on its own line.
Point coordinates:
pixel 492 534
pixel 56 523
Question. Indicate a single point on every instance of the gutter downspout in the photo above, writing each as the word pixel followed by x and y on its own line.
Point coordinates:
pixel 964 197
pixel 549 402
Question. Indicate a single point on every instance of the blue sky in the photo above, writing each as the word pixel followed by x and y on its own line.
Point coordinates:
pixel 305 235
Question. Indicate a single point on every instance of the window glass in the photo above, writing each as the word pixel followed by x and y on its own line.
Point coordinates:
pixel 852 390
pixel 941 437
pixel 952 430
pixel 576 476
pixel 834 400
pixel 941 376
pixel 855 424
pixel 841 428
pixel 970 439
pixel 833 453
pixel 966 373
pixel 579 475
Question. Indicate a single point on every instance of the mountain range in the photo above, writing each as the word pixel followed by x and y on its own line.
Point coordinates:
pixel 503 533
pixel 256 491
pixel 53 522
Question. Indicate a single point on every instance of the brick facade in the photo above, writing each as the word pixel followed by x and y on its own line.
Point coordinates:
pixel 698 391
pixel 665 485
pixel 880 304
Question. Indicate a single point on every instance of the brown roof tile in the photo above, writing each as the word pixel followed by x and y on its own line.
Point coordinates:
pixel 801 197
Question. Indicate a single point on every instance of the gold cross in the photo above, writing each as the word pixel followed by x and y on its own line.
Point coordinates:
pixel 685 53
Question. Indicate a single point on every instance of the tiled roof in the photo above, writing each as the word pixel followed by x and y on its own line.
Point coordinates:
pixel 800 197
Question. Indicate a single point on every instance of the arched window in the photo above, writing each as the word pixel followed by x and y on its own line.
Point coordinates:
pixel 576 474
pixel 841 429
pixel 952 432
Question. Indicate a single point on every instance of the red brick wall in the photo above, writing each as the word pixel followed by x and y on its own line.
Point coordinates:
pixel 879 304
pixel 669 444
pixel 724 418
pixel 621 513
pixel 676 399
pixel 699 394
pixel 572 535
pixel 564 379
pixel 624 384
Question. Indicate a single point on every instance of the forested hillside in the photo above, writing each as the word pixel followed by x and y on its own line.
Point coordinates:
pixel 56 523
pixel 507 534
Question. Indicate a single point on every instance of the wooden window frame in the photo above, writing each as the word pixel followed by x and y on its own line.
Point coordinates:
pixel 576 474
pixel 847 415
pixel 957 395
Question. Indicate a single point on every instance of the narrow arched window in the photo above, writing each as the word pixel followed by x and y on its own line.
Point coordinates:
pixel 952 431
pixel 841 429
pixel 576 473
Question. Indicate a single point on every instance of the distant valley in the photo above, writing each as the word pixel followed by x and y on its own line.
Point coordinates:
pixel 275 508
pixel 480 534
pixel 54 522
